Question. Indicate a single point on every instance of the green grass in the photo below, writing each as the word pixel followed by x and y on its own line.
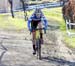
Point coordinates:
pixel 70 42
pixel 7 22
pixel 55 14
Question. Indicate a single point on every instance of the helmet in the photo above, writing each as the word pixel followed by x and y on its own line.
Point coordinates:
pixel 38 13
pixel 37 10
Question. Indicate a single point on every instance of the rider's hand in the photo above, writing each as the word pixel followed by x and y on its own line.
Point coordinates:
pixel 30 30
pixel 45 30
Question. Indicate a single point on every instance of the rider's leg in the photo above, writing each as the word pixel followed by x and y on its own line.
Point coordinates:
pixel 41 34
pixel 34 42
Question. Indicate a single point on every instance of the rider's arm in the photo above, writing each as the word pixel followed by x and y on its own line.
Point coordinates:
pixel 29 22
pixel 45 22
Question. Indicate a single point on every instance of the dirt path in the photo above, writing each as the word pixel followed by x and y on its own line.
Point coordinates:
pixel 16 50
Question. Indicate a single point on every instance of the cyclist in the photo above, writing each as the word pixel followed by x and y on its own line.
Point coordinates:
pixel 36 20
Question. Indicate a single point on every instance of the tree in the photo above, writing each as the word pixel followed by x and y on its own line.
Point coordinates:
pixel 11 6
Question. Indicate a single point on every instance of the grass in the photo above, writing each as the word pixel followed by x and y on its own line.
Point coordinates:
pixel 70 42
pixel 7 22
pixel 55 14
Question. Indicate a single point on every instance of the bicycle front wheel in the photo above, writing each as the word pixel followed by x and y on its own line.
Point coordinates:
pixel 38 49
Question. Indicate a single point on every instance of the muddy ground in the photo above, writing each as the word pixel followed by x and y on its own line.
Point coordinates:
pixel 16 49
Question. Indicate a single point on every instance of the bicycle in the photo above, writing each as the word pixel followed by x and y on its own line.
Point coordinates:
pixel 38 42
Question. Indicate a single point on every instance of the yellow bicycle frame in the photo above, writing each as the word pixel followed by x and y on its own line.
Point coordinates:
pixel 37 34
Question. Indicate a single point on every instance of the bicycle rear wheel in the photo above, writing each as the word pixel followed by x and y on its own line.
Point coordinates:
pixel 38 49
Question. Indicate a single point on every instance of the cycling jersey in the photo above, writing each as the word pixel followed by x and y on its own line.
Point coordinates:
pixel 33 19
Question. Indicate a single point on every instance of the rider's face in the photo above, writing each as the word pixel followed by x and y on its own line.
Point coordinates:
pixel 38 15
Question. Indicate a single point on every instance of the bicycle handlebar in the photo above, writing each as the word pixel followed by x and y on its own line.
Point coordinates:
pixel 40 29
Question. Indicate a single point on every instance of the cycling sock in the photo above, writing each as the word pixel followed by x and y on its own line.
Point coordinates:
pixel 41 35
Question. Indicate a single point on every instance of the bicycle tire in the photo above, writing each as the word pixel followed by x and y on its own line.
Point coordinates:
pixel 38 49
